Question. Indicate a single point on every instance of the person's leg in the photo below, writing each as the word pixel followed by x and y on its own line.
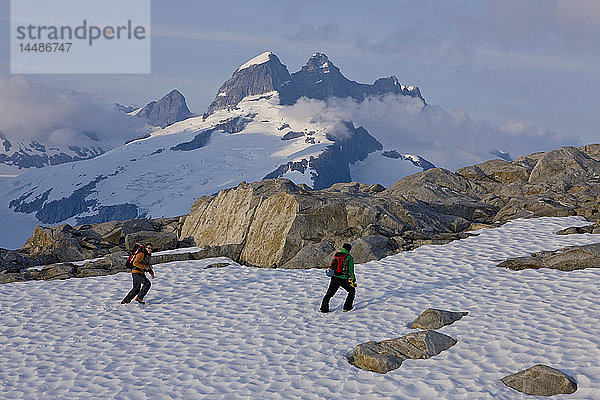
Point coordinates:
pixel 349 303
pixel 146 286
pixel 137 282
pixel 334 285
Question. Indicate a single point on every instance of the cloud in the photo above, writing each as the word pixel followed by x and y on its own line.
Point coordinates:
pixel 543 31
pixel 448 139
pixel 50 115
pixel 311 33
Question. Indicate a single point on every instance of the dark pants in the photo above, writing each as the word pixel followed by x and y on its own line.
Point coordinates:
pixel 334 285
pixel 138 280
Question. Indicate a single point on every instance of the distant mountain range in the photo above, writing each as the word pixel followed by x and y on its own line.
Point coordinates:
pixel 251 131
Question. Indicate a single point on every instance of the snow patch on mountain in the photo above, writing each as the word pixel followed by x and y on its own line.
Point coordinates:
pixel 260 59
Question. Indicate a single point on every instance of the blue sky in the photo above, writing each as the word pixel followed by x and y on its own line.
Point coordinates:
pixel 528 63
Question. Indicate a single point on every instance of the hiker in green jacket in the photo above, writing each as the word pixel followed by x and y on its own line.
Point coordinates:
pixel 343 266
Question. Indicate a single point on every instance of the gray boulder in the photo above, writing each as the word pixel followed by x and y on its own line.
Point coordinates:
pixel 389 354
pixel 316 255
pixel 433 318
pixel 160 240
pixel 541 380
pixel 368 248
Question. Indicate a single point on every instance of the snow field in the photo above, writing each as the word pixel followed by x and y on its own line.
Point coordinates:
pixel 239 332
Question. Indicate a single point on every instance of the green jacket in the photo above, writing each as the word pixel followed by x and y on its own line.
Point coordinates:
pixel 350 267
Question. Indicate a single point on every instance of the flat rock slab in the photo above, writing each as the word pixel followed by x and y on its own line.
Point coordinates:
pixel 389 354
pixel 432 318
pixel 568 259
pixel 541 380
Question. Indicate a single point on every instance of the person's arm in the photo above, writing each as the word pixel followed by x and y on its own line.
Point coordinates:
pixel 351 268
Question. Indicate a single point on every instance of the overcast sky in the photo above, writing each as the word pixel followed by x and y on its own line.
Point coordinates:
pixel 508 63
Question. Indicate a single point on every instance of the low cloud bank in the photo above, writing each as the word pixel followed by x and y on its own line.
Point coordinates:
pixel 55 116
pixel 448 139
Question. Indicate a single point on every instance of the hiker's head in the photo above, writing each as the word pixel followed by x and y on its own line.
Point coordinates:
pixel 347 246
pixel 148 247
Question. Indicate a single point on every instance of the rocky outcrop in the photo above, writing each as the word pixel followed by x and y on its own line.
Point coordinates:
pixel 541 380
pixel 567 259
pixel 169 109
pixel 389 354
pixel 281 224
pixel 433 318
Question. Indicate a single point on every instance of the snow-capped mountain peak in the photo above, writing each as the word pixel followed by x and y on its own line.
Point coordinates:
pixel 260 59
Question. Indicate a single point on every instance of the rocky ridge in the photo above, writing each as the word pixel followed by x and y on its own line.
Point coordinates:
pixel 284 225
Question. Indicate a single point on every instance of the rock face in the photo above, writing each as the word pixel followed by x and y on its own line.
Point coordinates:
pixel 541 380
pixel 281 224
pixel 433 318
pixel 262 74
pixel 166 111
pixel 389 354
pixel 567 259
pixel 320 79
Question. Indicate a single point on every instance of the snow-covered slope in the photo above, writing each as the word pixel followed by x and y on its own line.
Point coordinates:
pixel 239 332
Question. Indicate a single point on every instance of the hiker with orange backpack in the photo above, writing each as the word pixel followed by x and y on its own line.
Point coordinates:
pixel 140 263
pixel 342 275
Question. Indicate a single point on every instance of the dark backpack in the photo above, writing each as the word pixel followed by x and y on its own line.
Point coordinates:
pixel 339 264
pixel 137 248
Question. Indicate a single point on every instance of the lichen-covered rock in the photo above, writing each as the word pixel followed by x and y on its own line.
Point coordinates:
pixel 57 243
pixel 433 318
pixel 389 354
pixel 541 380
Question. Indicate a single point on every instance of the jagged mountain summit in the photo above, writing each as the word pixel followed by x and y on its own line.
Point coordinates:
pixel 249 135
pixel 318 79
pixel 169 109
pixel 262 74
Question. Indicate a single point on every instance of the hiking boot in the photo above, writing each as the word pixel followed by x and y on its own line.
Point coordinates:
pixel 140 300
